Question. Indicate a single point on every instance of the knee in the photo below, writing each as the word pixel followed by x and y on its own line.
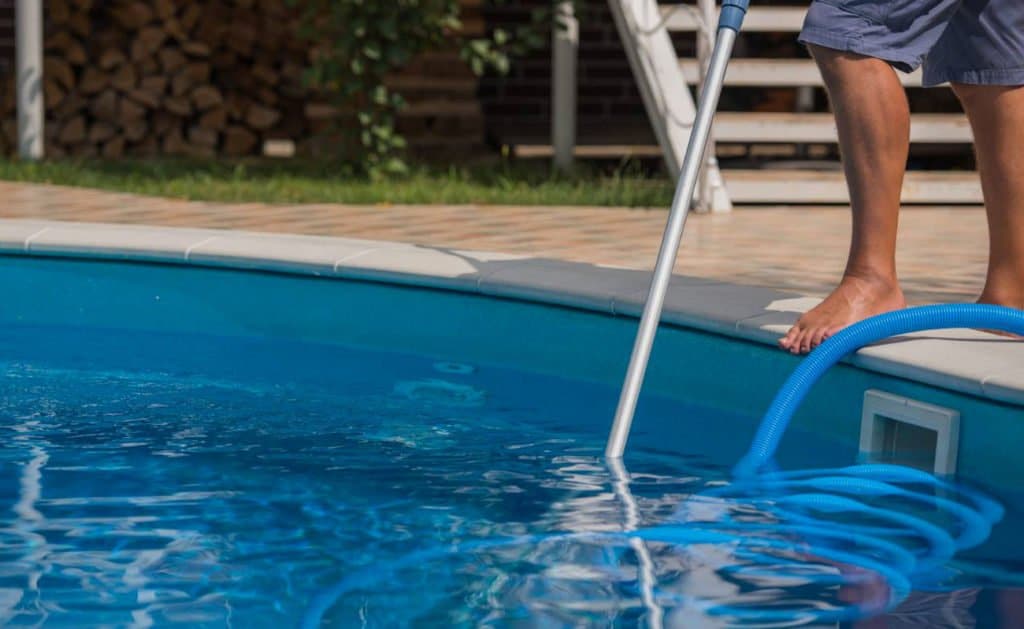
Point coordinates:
pixel 972 95
pixel 839 67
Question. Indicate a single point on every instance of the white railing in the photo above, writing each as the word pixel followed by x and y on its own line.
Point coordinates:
pixel 643 28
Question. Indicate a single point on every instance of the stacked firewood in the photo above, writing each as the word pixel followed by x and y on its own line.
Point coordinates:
pixel 202 78
pixel 177 77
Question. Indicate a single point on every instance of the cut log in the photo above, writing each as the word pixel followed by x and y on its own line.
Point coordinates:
pixel 59 70
pixel 165 9
pixel 224 60
pixel 53 93
pixel 58 12
pixel 149 40
pixel 260 117
pixel 73 131
pixel 292 72
pixel 266 74
pixel 320 111
pixel 200 152
pixel 105 106
pixel 174 28
pixel 70 49
pixel 164 122
pixel 131 110
pixel 114 149
pixel 93 81
pixel 80 24
pixel 239 141
pixel 125 78
pixel 182 83
pixel 100 132
pixel 148 146
pixel 267 97
pixel 240 38
pixel 72 104
pixel 237 106
pixel 135 130
pixel 147 98
pixel 196 49
pixel 178 105
pixel 171 60
pixel 157 84
pixel 206 97
pixel 173 143
pixel 134 16
pixel 215 119
pixel 199 71
pixel 149 67
pixel 191 16
pixel 111 58
pixel 203 137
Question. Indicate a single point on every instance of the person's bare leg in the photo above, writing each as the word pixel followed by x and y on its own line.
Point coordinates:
pixel 997 119
pixel 873 120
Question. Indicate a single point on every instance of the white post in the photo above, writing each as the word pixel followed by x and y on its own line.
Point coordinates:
pixel 28 32
pixel 564 52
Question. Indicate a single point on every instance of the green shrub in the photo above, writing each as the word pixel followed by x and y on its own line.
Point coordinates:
pixel 357 43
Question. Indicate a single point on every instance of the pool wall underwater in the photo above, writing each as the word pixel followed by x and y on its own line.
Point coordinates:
pixel 572 320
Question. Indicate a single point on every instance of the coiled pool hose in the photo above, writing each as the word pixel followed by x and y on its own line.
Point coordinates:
pixel 825 515
pixel 871 330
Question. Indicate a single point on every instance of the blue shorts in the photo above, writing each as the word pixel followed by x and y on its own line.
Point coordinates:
pixel 963 41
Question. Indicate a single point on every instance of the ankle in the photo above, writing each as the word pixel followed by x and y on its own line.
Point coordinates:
pixel 874 277
pixel 1010 299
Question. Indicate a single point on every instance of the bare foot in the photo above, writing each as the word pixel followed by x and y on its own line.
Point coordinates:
pixel 856 298
pixel 1017 303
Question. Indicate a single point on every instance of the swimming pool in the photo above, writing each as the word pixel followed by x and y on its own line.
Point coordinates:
pixel 203 446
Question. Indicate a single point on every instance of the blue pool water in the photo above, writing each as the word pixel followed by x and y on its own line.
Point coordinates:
pixel 208 481
pixel 228 474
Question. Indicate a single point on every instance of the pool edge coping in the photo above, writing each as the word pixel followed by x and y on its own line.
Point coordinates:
pixel 966 361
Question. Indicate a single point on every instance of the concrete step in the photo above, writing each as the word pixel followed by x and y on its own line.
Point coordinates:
pixel 684 18
pixel 775 73
pixel 589 151
pixel 802 186
pixel 820 127
pixel 749 128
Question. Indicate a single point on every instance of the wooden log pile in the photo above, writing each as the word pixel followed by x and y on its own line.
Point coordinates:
pixel 175 77
pixel 202 78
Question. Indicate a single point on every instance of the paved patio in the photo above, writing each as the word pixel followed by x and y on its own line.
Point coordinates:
pixel 942 253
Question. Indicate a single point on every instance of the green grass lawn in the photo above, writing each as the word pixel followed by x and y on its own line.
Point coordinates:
pixel 309 181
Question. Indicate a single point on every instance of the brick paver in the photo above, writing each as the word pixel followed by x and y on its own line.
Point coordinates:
pixel 942 253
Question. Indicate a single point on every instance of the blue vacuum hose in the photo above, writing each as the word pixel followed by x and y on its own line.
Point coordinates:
pixel 872 330
pixel 864 519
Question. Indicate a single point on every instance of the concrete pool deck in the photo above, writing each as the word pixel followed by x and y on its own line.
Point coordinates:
pixel 966 361
pixel 942 255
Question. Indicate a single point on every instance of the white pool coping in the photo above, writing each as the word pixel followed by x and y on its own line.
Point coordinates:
pixel 966 361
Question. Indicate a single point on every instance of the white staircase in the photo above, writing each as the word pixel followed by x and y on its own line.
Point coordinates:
pixel 645 28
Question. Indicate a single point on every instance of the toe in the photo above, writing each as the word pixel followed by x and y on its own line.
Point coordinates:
pixel 787 341
pixel 819 337
pixel 794 347
pixel 805 343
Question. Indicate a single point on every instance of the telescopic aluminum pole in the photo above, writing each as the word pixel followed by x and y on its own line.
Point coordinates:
pixel 730 21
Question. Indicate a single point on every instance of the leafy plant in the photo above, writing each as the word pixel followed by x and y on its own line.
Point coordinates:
pixel 357 43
